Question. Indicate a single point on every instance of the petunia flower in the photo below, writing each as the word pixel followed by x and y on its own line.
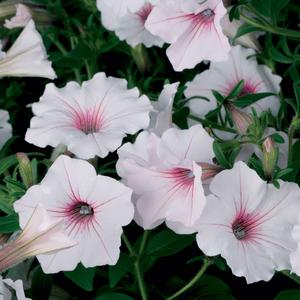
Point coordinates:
pixel 113 11
pixel 132 27
pixel 249 223
pixel 21 19
pixel 91 119
pixel 93 209
pixel 192 28
pixel 224 76
pixel 40 235
pixel 161 116
pixel 165 175
pixel 5 127
pixel 7 285
pixel 27 57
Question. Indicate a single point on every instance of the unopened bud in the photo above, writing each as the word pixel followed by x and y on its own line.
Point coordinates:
pixel 241 120
pixel 230 29
pixel 270 156
pixel 25 169
pixel 140 57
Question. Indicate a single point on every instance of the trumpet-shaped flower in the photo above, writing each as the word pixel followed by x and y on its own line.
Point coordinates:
pixel 21 19
pixel 161 116
pixel 249 223
pixel 27 57
pixel 91 119
pixel 7 285
pixel 92 207
pixel 40 235
pixel 192 28
pixel 5 127
pixel 132 27
pixel 224 76
pixel 165 175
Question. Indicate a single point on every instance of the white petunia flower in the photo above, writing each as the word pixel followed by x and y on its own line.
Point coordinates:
pixel 27 57
pixel 249 223
pixel 166 176
pixel 93 209
pixel 192 28
pixel 6 287
pixel 224 76
pixel 91 119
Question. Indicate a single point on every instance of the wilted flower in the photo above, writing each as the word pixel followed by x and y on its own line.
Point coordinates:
pixel 40 235
pixel 92 207
pixel 91 119
pixel 165 175
pixel 161 117
pixel 5 127
pixel 192 28
pixel 249 223
pixel 224 76
pixel 27 57
pixel 21 19
pixel 6 285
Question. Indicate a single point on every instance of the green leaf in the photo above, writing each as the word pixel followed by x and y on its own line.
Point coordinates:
pixel 280 57
pixel 297 95
pixel 249 99
pixel 83 277
pixel 116 272
pixel 113 296
pixel 244 29
pixel 236 90
pixel 7 162
pixel 220 156
pixel 9 223
pixel 288 295
pixel 41 285
pixel 220 98
pixel 167 242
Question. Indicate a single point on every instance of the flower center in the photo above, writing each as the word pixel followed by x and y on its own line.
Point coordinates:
pixel 89 121
pixel 144 12
pixel 205 17
pixel 182 177
pixel 239 229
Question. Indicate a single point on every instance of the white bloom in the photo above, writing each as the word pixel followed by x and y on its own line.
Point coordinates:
pixel 224 76
pixel 5 127
pixel 249 222
pixel 166 176
pixel 93 209
pixel 161 117
pixel 21 19
pixel 27 57
pixel 91 119
pixel 192 28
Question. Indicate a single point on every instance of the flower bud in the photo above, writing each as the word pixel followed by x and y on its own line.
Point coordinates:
pixel 25 169
pixel 140 57
pixel 240 119
pixel 230 29
pixel 41 235
pixel 270 156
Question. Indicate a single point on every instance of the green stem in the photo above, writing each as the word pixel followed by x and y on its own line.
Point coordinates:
pixel 272 29
pixel 140 279
pixel 137 266
pixel 144 242
pixel 206 264
pixel 88 69
pixel 291 133
pixel 292 276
